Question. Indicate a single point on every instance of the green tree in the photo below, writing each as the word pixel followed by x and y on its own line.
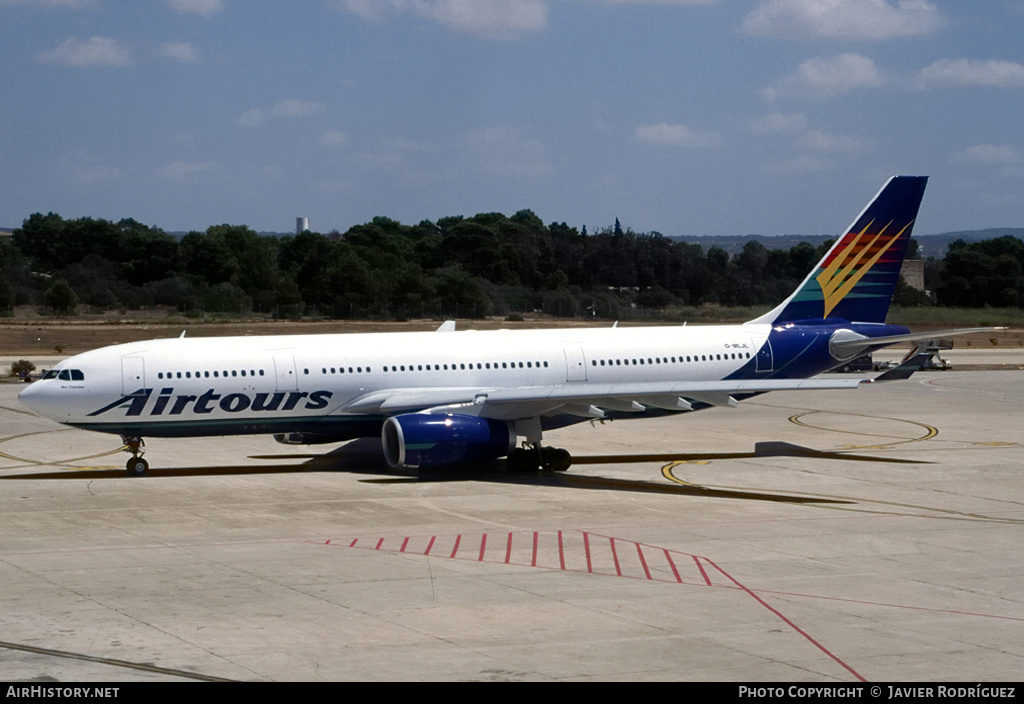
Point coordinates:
pixel 60 297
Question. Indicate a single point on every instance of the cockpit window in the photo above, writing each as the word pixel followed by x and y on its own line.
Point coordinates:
pixel 65 374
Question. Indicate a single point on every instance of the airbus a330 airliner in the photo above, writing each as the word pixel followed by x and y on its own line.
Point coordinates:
pixel 446 397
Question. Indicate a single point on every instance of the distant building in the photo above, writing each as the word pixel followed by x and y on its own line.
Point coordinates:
pixel 913 273
pixel 301 225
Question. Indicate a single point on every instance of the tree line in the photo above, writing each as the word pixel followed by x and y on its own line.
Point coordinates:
pixel 488 264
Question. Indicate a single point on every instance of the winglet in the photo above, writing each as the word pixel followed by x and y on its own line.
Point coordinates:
pixel 447 326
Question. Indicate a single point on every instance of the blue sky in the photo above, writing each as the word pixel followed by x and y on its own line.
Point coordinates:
pixel 687 117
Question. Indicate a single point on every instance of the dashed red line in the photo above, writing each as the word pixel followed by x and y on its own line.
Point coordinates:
pixel 615 557
pixel 643 562
pixel 672 565
pixel 561 551
pixel 701 568
pixel 595 554
pixel 788 622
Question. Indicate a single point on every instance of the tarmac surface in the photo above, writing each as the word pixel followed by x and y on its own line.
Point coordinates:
pixel 870 535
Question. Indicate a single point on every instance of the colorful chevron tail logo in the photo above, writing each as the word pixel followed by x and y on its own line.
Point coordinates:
pixel 849 265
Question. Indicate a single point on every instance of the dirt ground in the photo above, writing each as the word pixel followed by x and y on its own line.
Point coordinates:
pixel 23 336
pixel 74 335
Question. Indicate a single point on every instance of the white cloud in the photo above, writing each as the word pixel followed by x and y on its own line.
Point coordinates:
pixel 250 118
pixel 800 165
pixel 843 19
pixel 180 170
pixel 1001 154
pixel 819 141
pixel 965 72
pixel 373 10
pixel 334 138
pixel 182 52
pixel 52 4
pixel 675 136
pixel 95 51
pixel 660 2
pixel 779 123
pixel 508 151
pixel 197 7
pixel 286 108
pixel 828 77
pixel 297 108
pixel 490 19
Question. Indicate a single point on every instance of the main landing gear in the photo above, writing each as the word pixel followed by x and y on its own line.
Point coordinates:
pixel 136 466
pixel 531 458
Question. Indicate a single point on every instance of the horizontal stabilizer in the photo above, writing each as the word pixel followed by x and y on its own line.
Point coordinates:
pixel 849 345
pixel 857 345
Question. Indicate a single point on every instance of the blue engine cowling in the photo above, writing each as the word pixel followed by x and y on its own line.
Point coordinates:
pixel 437 439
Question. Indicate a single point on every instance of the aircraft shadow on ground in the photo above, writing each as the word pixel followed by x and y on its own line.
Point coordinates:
pixel 364 457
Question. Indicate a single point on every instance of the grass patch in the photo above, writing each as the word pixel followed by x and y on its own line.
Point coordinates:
pixel 956 317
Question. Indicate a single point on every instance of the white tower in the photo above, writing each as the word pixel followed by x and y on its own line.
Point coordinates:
pixel 301 225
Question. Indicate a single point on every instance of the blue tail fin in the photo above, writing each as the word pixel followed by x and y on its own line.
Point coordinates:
pixel 856 278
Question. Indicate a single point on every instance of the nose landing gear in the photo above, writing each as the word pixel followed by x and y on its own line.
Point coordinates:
pixel 136 466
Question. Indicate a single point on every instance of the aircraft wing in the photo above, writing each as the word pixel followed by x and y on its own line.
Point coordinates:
pixel 588 400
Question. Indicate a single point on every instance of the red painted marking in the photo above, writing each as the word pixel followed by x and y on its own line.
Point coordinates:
pixel 536 539
pixel 643 562
pixel 561 551
pixel 615 557
pixel 353 543
pixel 379 543
pixel 672 564
pixel 483 547
pixel 455 549
pixel 405 544
pixel 785 620
pixel 430 544
pixel 702 572
pixel 508 549
pixel 586 551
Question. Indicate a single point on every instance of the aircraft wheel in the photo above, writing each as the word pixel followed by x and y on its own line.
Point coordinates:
pixel 523 460
pixel 556 459
pixel 137 467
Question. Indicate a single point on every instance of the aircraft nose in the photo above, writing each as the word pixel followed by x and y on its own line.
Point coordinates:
pixel 34 397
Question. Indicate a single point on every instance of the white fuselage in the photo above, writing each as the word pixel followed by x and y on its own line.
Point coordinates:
pixel 197 386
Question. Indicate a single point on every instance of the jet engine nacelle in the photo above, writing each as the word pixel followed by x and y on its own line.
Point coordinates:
pixel 436 439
